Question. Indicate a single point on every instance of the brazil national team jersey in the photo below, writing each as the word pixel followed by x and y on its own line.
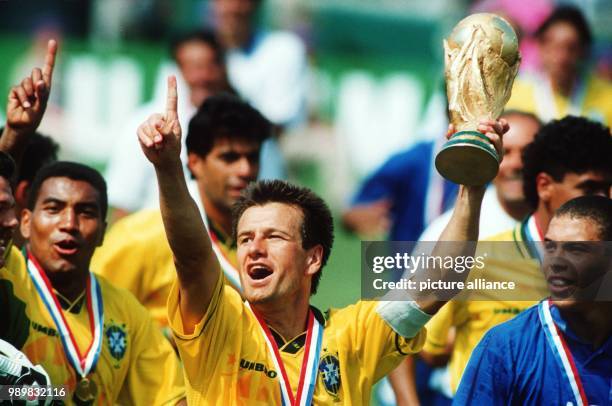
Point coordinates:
pixel 227 361
pixel 472 319
pixel 136 366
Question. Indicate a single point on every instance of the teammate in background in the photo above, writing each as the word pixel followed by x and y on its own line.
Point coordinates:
pixel 131 181
pixel 223 148
pixel 564 86
pixel 504 203
pixel 234 351
pixel 557 352
pixel 568 158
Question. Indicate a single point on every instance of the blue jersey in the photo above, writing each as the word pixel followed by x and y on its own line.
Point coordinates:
pixel 404 179
pixel 514 364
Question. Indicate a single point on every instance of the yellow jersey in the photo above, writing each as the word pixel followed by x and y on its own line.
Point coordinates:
pixel 136 256
pixel 592 101
pixel 136 366
pixel 471 319
pixel 227 362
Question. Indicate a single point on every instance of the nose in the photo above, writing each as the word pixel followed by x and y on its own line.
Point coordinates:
pixel 9 220
pixel 246 168
pixel 68 220
pixel 257 247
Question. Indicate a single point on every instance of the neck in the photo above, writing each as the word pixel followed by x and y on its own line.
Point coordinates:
pixel 221 218
pixel 69 284
pixel 542 217
pixel 516 209
pixel 233 40
pixel 591 321
pixel 563 85
pixel 288 318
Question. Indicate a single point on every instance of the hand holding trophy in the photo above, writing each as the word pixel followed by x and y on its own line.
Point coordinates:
pixel 481 62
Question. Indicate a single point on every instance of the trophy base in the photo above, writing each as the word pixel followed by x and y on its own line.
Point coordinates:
pixel 468 158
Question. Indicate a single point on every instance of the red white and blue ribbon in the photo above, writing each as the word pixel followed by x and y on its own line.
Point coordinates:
pixel 310 362
pixel 562 352
pixel 83 364
pixel 534 237
pixel 227 267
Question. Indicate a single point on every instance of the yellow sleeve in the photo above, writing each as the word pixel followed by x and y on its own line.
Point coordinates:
pixel 155 376
pixel 438 328
pixel 379 349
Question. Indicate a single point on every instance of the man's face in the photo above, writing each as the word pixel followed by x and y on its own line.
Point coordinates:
pixel 8 220
pixel 575 259
pixel 560 51
pixel 274 268
pixel 234 16
pixel 229 167
pixel 575 185
pixel 201 69
pixel 509 179
pixel 65 226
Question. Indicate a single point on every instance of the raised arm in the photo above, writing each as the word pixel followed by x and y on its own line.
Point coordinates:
pixel 197 267
pixel 26 106
pixel 460 236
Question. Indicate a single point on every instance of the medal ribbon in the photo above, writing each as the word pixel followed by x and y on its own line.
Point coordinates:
pixel 562 352
pixel 228 269
pixel 82 364
pixel 534 237
pixel 308 370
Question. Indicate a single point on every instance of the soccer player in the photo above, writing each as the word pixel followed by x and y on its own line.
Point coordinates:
pixel 559 351
pixel 223 147
pixel 88 335
pixel 275 348
pixel 564 85
pixel 568 158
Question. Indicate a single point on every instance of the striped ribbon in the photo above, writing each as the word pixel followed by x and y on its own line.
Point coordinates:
pixel 308 370
pixel 562 352
pixel 82 364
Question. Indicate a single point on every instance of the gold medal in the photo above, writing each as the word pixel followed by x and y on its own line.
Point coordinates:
pixel 85 392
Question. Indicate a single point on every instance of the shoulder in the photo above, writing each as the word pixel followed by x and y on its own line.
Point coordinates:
pixel 121 301
pixel 517 332
pixel 280 42
pixel 419 155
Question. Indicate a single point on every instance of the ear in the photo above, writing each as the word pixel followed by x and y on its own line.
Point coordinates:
pixel 314 260
pixel 25 223
pixel 21 193
pixel 545 186
pixel 193 161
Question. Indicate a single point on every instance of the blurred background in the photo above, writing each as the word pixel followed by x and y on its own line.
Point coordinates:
pixel 374 81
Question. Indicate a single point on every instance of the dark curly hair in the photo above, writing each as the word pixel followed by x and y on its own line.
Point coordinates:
pixel 317 225
pixel 570 145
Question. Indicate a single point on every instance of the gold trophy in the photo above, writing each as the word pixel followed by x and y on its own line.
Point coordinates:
pixel 481 59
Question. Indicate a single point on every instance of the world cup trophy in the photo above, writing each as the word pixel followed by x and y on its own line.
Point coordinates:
pixel 481 61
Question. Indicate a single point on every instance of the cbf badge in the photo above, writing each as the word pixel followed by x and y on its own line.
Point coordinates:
pixel 116 340
pixel 329 371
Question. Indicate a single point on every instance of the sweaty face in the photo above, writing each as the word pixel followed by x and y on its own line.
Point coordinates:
pixel 65 226
pixel 509 179
pixel 228 168
pixel 201 69
pixel 274 268
pixel 560 51
pixel 575 185
pixel 8 221
pixel 575 259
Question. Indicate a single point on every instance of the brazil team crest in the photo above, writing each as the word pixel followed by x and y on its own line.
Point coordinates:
pixel 116 339
pixel 329 371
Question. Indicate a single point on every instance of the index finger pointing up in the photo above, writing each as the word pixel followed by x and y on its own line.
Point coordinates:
pixel 171 100
pixel 49 62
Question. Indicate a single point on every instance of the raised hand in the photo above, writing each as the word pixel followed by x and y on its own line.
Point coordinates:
pixel 160 135
pixel 28 100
